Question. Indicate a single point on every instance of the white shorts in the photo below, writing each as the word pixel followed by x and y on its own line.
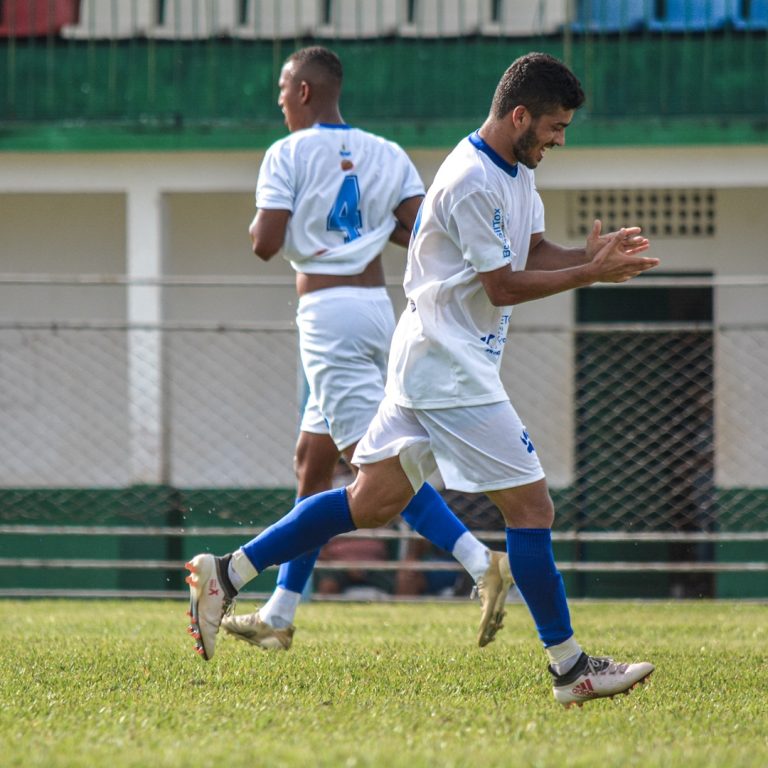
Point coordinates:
pixel 476 448
pixel 344 337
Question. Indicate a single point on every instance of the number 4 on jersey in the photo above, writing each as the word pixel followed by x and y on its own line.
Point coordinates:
pixel 345 215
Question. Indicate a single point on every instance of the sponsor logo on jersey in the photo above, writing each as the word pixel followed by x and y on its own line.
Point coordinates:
pixel 494 342
pixel 346 163
pixel 498 229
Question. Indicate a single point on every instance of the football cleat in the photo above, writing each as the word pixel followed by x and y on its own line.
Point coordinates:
pixel 251 628
pixel 595 677
pixel 492 589
pixel 208 601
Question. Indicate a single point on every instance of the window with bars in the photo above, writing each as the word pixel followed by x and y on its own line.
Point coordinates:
pixel 660 212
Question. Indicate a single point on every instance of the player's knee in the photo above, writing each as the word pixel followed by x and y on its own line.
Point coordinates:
pixel 546 514
pixel 526 508
pixel 374 512
pixel 538 512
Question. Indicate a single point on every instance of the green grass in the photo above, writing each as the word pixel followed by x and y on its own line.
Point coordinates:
pixel 88 683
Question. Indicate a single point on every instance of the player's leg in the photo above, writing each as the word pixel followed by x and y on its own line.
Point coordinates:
pixel 429 515
pixel 377 496
pixel 347 380
pixel 316 460
pixel 528 513
pixel 272 626
pixel 487 449
pixel 396 430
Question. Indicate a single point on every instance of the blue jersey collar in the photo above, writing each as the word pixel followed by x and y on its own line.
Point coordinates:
pixel 477 141
pixel 335 126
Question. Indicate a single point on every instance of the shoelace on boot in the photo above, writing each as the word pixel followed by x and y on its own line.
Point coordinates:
pixel 602 665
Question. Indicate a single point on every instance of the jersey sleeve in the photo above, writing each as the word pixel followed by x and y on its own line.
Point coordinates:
pixel 537 214
pixel 412 185
pixel 275 186
pixel 476 223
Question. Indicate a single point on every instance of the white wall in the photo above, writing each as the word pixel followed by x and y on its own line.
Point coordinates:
pixel 187 214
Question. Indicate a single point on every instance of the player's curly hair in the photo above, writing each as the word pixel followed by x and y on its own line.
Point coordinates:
pixel 539 82
pixel 318 58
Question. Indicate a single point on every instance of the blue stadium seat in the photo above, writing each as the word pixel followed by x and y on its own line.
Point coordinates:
pixel 750 14
pixel 692 15
pixel 611 15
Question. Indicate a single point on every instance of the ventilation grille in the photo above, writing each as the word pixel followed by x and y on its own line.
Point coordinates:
pixel 660 212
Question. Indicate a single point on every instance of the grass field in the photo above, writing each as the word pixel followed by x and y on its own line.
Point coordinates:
pixel 116 684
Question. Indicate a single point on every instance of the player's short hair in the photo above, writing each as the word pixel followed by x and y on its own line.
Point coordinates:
pixel 318 59
pixel 539 82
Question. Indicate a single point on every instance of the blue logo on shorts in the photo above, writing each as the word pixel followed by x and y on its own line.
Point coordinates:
pixel 527 442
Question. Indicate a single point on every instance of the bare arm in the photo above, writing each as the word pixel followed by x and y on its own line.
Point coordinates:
pixel 614 262
pixel 267 232
pixel 546 255
pixel 405 213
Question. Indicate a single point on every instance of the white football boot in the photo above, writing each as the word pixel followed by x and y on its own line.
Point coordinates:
pixel 595 677
pixel 209 600
pixel 251 628
pixel 492 589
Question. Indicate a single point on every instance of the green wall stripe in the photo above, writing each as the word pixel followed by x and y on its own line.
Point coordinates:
pixel 67 95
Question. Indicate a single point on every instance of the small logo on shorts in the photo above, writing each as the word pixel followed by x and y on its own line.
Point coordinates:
pixel 527 442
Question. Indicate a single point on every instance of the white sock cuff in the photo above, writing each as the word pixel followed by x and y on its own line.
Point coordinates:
pixel 241 568
pixel 472 554
pixel 559 653
pixel 282 605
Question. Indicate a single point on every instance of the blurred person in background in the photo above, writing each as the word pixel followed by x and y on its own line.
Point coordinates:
pixel 329 197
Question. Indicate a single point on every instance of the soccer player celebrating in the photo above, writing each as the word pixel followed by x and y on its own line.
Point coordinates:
pixel 330 196
pixel 477 249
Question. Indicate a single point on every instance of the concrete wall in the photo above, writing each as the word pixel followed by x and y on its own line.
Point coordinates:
pixel 150 215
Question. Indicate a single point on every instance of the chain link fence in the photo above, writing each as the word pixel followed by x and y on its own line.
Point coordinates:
pixel 129 448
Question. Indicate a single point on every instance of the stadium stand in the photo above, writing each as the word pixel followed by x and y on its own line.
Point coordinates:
pixel 196 19
pixel 751 14
pixel 521 18
pixel 609 16
pixel 687 16
pixel 35 18
pixel 367 19
pixel 103 19
pixel 360 18
pixel 441 18
pixel 271 20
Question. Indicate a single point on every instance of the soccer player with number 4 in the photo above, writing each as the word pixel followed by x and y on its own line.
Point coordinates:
pixel 477 249
pixel 329 197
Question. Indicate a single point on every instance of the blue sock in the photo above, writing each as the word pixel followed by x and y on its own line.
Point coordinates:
pixel 428 514
pixel 539 582
pixel 295 574
pixel 309 525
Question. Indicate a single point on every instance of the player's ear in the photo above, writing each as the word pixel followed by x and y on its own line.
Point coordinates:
pixel 520 116
pixel 305 92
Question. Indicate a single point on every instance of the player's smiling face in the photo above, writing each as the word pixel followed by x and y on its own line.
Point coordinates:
pixel 544 132
pixel 290 98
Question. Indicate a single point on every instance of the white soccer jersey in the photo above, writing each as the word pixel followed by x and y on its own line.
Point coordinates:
pixel 478 215
pixel 341 185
